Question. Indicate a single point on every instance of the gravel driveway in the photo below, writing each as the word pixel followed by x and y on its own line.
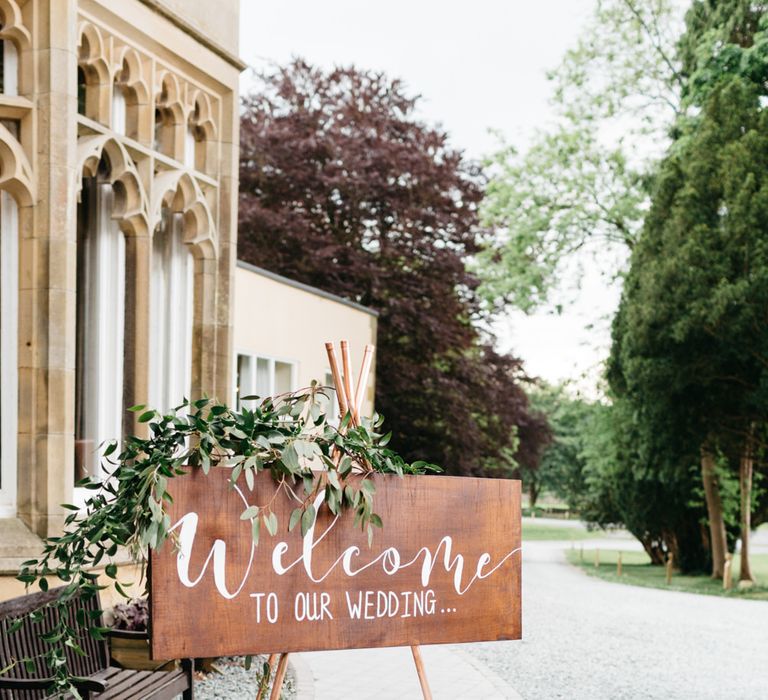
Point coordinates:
pixel 586 638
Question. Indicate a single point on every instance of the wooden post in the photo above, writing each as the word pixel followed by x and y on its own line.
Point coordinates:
pixel 347 368
pixel 618 565
pixel 668 568
pixel 349 401
pixel 581 554
pixel 425 691
pixel 337 380
pixel 362 380
pixel 728 572
pixel 265 681
pixel 277 685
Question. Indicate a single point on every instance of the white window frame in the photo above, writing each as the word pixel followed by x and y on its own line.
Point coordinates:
pixel 9 314
pixel 251 389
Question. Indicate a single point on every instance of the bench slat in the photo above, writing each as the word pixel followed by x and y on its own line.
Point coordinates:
pixel 163 684
pixel 107 673
pixel 143 687
pixel 125 678
pixel 26 642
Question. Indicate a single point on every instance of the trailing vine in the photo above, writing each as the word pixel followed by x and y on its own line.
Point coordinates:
pixel 289 436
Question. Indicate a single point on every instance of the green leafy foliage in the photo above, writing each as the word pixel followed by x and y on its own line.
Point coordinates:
pixel 724 39
pixel 689 354
pixel 566 191
pixel 343 187
pixel 582 184
pixel 562 465
pixel 288 437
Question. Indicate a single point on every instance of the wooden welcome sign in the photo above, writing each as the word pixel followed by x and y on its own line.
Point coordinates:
pixel 444 568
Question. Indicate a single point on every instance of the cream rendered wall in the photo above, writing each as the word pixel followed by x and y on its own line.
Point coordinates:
pixel 273 318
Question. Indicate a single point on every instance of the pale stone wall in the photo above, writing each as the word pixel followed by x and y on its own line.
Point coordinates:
pixel 217 19
pixel 162 61
pixel 279 319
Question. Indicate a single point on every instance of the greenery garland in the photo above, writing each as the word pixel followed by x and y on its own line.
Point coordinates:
pixel 289 436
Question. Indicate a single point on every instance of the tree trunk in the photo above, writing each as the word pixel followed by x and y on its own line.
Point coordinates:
pixel 746 466
pixel 714 512
pixel 533 493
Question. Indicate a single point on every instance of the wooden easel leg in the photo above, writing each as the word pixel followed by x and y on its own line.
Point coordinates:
pixel 265 681
pixel 425 691
pixel 277 684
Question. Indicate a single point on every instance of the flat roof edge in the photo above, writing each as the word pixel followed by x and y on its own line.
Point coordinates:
pixel 193 31
pixel 305 287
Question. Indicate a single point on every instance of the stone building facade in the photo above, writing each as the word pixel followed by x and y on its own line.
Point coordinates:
pixel 118 211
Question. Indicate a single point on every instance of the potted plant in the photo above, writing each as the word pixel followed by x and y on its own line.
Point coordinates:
pixel 129 637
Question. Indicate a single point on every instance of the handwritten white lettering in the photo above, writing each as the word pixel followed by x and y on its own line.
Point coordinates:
pixel 390 559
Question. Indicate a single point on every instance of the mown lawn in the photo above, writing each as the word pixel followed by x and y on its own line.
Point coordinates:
pixel 539 531
pixel 637 571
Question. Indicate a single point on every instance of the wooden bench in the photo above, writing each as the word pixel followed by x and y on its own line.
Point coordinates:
pixel 99 679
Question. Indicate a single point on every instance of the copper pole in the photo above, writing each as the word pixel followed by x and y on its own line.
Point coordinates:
pixel 337 381
pixel 347 366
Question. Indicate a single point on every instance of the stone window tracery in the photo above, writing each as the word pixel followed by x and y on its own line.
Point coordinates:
pixel 169 120
pixel 130 97
pixel 158 200
pixel 14 38
pixel 200 135
pixel 93 76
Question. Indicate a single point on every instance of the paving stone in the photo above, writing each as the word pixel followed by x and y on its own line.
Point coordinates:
pixel 382 674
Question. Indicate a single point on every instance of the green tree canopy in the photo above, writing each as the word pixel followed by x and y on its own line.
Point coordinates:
pixel 690 339
pixel 583 182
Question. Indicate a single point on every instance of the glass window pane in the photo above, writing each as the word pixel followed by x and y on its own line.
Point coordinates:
pixel 331 403
pixel 100 328
pixel 10 68
pixel 119 109
pixel 171 313
pixel 263 378
pixel 9 281
pixel 283 378
pixel 245 378
pixel 189 146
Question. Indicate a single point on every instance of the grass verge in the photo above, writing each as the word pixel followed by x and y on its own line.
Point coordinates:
pixel 637 571
pixel 537 531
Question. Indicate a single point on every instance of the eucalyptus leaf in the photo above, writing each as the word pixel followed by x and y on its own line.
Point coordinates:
pixel 270 521
pixel 249 512
pixel 307 519
pixel 295 517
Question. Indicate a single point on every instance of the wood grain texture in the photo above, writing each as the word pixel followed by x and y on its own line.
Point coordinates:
pixel 317 598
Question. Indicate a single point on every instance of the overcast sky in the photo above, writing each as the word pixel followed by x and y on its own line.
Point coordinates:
pixel 477 65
